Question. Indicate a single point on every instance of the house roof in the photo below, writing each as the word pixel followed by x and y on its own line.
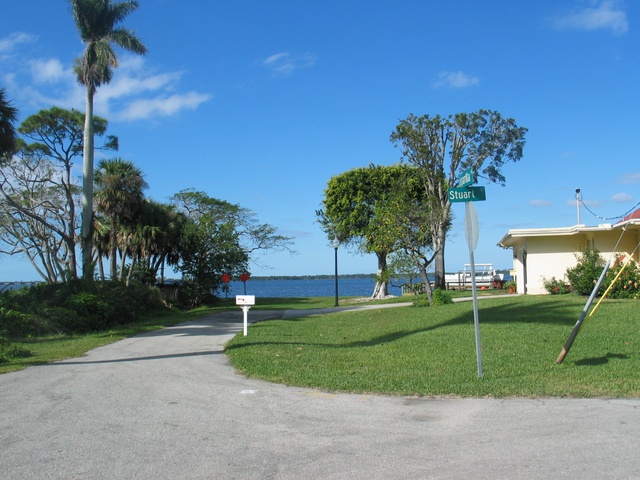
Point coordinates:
pixel 512 236
pixel 632 216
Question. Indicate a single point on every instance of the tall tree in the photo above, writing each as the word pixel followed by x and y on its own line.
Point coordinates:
pixel 33 216
pixel 8 116
pixel 255 237
pixel 39 194
pixel 404 221
pixel 155 240
pixel 98 22
pixel 442 148
pixel 119 197
pixel 219 237
pixel 350 206
pixel 57 136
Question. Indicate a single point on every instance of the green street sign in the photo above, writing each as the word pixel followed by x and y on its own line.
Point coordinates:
pixel 466 194
pixel 467 178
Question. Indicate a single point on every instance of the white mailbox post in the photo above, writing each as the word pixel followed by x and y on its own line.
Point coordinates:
pixel 245 302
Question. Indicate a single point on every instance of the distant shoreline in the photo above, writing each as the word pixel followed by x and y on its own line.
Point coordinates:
pixel 264 278
pixel 310 277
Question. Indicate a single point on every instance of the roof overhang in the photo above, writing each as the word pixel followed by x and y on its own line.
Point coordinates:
pixel 514 236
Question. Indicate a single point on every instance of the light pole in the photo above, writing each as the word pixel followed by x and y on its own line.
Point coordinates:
pixel 336 244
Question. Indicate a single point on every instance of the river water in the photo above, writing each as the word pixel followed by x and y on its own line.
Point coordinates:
pixel 321 287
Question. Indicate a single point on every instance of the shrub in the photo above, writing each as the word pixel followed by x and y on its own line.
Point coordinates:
pixel 556 286
pixel 63 320
pixel 628 283
pixel 192 295
pixel 439 297
pixel 9 351
pixel 585 274
pixel 92 309
pixel 15 324
pixel 76 306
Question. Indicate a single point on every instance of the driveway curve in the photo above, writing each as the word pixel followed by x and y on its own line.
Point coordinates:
pixel 167 405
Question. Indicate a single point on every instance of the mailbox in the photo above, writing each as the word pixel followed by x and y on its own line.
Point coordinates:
pixel 245 300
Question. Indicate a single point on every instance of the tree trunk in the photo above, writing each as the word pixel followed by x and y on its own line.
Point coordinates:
pixel 438 246
pixel 130 272
pixel 425 280
pixel 381 289
pixel 87 188
pixel 101 270
pixel 113 247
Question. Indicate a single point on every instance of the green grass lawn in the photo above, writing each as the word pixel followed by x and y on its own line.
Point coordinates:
pixel 431 351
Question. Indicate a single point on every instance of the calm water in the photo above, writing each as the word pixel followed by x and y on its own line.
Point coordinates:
pixel 347 287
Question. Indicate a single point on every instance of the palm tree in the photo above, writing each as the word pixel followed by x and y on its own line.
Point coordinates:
pixel 119 197
pixel 97 22
pixel 8 116
pixel 154 241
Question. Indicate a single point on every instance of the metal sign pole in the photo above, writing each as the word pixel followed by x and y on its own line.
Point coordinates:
pixel 471 230
pixel 464 192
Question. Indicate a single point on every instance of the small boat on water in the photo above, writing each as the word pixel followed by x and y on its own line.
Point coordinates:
pixel 485 276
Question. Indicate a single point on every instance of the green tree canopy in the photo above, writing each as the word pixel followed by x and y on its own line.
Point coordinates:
pixel 219 237
pixel 353 204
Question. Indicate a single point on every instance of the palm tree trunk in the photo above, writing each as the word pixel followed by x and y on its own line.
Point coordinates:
pixel 113 246
pixel 87 188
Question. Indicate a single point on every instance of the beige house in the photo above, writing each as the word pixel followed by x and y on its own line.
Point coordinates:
pixel 542 253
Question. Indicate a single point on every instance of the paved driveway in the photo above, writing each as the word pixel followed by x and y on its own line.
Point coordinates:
pixel 166 405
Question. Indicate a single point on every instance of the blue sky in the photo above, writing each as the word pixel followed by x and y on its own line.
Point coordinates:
pixel 260 103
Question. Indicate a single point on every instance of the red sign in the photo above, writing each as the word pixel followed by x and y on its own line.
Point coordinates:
pixel 244 277
pixel 226 278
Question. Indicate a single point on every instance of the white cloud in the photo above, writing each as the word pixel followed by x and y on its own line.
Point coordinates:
pixel 540 203
pixel 124 85
pixel 601 14
pixel 285 64
pixel 630 178
pixel 48 71
pixel 622 198
pixel 455 80
pixel 162 106
pixel 136 92
pixel 8 44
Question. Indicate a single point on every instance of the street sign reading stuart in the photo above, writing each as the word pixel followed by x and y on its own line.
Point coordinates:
pixel 466 194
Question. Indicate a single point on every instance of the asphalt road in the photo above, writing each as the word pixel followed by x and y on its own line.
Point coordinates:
pixel 166 405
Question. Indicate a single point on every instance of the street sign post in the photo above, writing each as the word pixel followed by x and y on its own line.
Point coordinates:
pixel 471 234
pixel 464 192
